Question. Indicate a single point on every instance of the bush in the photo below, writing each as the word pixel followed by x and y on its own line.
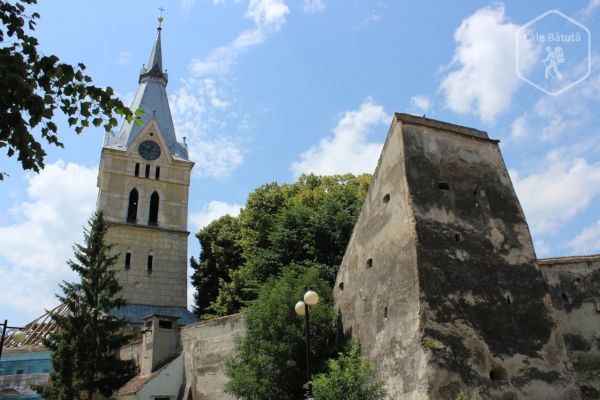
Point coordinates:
pixel 349 377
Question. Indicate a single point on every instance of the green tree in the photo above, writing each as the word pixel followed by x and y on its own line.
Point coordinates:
pixel 270 360
pixel 221 252
pixel 85 344
pixel 349 377
pixel 34 86
pixel 310 220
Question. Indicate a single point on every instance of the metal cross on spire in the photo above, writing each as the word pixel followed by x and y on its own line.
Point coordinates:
pixel 160 18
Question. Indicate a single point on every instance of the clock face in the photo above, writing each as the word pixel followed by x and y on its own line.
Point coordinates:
pixel 149 150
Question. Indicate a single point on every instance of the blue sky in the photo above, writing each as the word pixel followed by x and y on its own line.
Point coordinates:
pixel 265 90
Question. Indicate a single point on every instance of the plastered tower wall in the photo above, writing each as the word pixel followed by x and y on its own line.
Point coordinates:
pixel 166 284
pixel 143 186
pixel 379 303
pixel 574 283
pixel 439 282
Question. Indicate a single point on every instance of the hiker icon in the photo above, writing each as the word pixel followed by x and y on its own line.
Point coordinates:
pixel 554 57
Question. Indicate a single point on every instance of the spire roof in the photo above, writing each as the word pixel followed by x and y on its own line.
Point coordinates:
pixel 155 66
pixel 151 97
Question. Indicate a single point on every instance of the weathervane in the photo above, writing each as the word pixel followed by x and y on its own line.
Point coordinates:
pixel 160 18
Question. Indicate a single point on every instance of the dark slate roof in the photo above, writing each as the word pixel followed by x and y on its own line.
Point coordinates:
pixel 569 260
pixel 151 97
pixel 135 313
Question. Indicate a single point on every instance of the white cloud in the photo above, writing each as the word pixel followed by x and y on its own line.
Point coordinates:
pixel 554 117
pixel 268 15
pixel 313 6
pixel 187 5
pixel 588 240
pixel 561 190
pixel 199 109
pixel 34 251
pixel 591 7
pixel 519 128
pixel 348 150
pixel 485 79
pixel 124 57
pixel 214 210
pixel 421 103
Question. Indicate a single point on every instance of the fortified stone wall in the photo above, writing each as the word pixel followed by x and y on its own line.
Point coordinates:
pixel 574 284
pixel 439 282
pixel 205 347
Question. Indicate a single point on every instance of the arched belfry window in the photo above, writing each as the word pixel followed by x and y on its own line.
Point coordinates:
pixel 133 205
pixel 153 217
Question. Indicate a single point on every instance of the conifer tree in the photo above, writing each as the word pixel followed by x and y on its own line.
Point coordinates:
pixel 85 344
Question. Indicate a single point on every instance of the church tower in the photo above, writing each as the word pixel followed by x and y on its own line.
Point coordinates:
pixel 143 186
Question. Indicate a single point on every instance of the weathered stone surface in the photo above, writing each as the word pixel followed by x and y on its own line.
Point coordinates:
pixel 166 241
pixel 205 347
pixel 439 282
pixel 574 284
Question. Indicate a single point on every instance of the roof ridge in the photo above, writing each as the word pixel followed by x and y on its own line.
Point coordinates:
pixel 568 259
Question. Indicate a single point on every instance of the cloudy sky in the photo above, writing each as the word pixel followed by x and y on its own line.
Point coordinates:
pixel 265 90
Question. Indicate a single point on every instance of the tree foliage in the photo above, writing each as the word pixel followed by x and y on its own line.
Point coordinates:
pixel 349 377
pixel 85 344
pixel 310 220
pixel 34 86
pixel 220 252
pixel 270 360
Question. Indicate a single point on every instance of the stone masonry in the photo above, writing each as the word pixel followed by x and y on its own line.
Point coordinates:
pixel 439 282
pixel 574 284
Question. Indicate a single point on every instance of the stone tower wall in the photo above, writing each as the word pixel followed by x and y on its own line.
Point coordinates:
pixel 574 283
pixel 454 264
pixel 166 285
pixel 377 288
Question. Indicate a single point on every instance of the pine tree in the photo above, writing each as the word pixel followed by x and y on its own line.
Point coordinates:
pixel 85 344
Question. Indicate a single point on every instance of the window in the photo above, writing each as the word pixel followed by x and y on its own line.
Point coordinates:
pixel 443 186
pixel 150 260
pixel 132 208
pixel 128 259
pixel 165 324
pixel 147 170
pixel 157 173
pixel 137 169
pixel 153 216
pixel 498 374
pixel 369 263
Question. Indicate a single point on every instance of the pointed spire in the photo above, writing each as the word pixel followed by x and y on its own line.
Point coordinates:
pixel 155 67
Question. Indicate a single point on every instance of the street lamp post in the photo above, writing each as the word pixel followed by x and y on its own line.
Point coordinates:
pixel 302 307
pixel 18 336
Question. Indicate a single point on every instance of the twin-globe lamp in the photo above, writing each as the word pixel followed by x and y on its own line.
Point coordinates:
pixel 309 299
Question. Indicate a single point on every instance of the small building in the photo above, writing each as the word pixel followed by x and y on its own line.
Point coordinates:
pixel 27 364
